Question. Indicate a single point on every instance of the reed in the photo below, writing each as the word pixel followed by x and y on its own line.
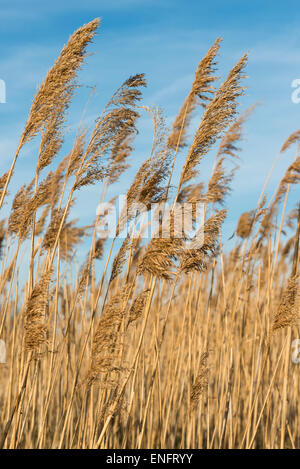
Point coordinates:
pixel 178 341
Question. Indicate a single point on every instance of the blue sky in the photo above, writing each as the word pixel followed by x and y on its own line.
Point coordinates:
pixel 165 40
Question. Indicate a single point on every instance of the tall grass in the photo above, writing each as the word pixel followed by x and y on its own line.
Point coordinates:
pixel 170 344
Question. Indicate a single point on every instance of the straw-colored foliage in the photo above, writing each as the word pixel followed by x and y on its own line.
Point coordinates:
pixel 179 341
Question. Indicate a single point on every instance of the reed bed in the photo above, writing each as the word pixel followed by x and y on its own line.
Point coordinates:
pixel 174 343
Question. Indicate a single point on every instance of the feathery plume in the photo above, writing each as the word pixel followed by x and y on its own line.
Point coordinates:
pixel 202 89
pixel 60 79
pixel 293 138
pixel 147 187
pixel 218 114
pixel 3 180
pixel 99 248
pixel 138 306
pixel 70 237
pixel 110 130
pixel 288 310
pixel 199 253
pixel 159 257
pixel 245 224
pixel 192 193
pixel 52 135
pixel 291 176
pixel 52 230
pixel 228 142
pixel 76 154
pixel 35 312
pixel 106 343
pixel 120 258
pixel 55 92
pixel 200 384
pixel 219 183
pixel 18 222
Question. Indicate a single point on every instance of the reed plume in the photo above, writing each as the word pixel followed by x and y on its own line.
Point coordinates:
pixel 53 98
pixel 200 383
pixel 287 312
pixel 59 81
pixel 35 325
pixel 91 344
pixel 198 254
pixel 104 365
pixel 201 92
pixel 218 114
